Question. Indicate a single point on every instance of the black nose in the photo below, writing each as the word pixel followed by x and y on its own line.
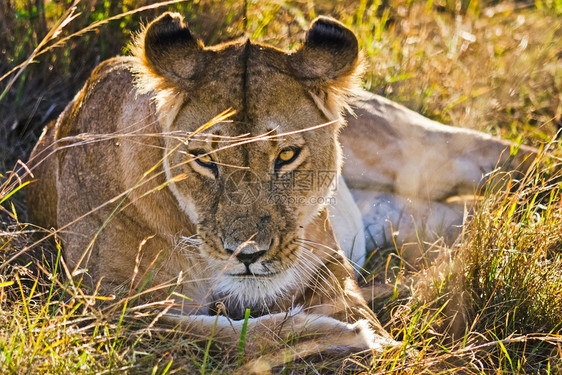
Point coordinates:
pixel 247 258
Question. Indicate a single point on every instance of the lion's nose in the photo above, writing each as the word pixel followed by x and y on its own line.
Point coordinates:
pixel 248 254
pixel 248 259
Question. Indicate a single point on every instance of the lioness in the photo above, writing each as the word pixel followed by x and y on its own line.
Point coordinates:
pixel 147 183
pixel 146 178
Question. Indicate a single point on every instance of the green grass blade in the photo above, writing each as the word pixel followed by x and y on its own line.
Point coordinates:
pixel 242 342
pixel 13 192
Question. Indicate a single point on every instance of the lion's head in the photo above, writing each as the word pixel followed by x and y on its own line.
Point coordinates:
pixel 250 189
pixel 250 198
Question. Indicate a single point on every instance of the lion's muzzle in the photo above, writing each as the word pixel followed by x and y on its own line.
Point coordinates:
pixel 246 253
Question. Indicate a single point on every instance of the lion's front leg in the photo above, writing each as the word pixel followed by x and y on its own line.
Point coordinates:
pixel 296 329
pixel 333 316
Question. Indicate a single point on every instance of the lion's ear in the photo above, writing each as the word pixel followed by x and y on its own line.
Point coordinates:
pixel 330 51
pixel 167 48
pixel 328 62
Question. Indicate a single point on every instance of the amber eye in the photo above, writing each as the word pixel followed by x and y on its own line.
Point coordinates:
pixel 287 156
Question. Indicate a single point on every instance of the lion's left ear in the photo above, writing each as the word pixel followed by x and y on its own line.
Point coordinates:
pixel 169 54
pixel 169 47
pixel 328 62
pixel 330 51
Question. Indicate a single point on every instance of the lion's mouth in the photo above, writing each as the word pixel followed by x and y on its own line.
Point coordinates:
pixel 256 270
pixel 252 274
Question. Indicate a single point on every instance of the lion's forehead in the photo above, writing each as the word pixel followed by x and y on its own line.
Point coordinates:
pixel 261 91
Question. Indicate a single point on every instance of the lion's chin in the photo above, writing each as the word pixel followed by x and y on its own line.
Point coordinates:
pixel 271 293
pixel 250 275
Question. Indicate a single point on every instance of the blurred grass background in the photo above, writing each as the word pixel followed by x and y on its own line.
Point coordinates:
pixel 488 65
pixel 495 66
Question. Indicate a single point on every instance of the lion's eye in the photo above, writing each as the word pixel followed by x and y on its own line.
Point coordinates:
pixel 287 156
pixel 204 160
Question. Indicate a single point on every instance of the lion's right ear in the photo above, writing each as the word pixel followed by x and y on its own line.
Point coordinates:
pixel 167 49
pixel 330 52
pixel 328 64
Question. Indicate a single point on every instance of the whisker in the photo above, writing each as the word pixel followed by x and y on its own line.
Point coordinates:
pixel 318 274
pixel 332 252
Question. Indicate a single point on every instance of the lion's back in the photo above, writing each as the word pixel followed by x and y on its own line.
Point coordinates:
pixel 92 111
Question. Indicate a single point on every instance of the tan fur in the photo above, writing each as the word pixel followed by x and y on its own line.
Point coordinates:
pixel 132 205
pixel 413 178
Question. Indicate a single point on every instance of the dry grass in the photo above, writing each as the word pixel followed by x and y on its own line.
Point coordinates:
pixel 492 304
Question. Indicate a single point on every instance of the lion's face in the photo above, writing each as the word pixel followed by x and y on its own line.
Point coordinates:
pixel 253 182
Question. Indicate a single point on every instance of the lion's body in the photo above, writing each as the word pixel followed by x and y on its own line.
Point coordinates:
pixel 105 168
pixel 116 152
pixel 411 177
